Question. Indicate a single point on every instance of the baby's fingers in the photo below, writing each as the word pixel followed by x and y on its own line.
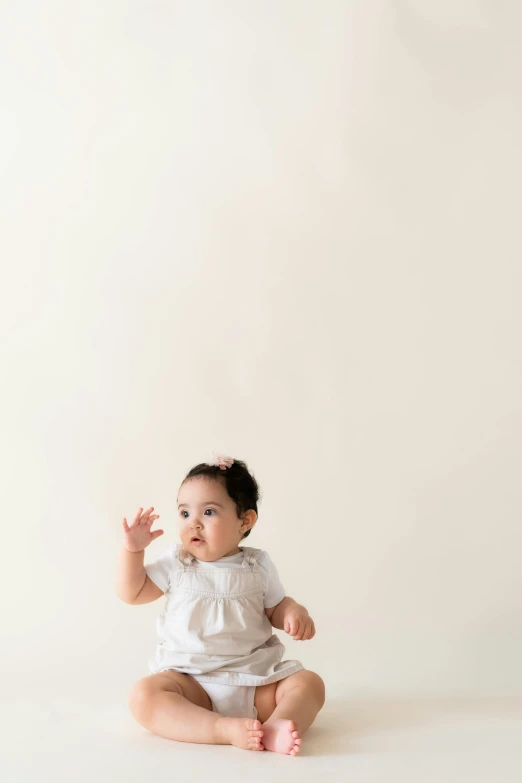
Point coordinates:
pixel 301 628
pixel 310 630
pixel 144 518
pixel 156 533
pixel 137 518
pixel 296 629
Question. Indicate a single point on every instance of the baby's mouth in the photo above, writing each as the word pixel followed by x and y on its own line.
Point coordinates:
pixel 196 540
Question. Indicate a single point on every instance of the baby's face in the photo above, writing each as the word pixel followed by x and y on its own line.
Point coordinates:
pixel 209 525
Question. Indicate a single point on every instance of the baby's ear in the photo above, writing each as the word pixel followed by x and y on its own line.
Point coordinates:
pixel 249 518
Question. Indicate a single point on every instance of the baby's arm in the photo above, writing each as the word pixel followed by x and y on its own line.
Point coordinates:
pixel 133 585
pixel 293 618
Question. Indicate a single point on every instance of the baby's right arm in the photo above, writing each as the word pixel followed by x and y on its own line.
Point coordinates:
pixel 133 585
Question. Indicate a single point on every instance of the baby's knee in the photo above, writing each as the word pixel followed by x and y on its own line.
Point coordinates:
pixel 315 683
pixel 142 697
pixel 139 699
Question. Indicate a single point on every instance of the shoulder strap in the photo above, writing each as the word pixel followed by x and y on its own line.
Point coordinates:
pixel 184 557
pixel 250 556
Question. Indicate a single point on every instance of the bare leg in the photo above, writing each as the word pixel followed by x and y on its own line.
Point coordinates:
pixel 175 706
pixel 298 700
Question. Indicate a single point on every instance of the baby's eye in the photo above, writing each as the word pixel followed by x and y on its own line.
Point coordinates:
pixel 208 509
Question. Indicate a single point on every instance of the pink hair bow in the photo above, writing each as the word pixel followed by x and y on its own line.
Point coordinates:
pixel 221 461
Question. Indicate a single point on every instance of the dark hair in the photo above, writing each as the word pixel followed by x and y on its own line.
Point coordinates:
pixel 239 483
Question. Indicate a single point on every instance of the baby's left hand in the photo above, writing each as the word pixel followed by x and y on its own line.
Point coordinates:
pixel 298 623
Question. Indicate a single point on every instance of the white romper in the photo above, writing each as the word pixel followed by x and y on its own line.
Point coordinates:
pixel 214 627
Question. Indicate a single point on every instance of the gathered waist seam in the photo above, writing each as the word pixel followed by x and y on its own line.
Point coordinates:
pixel 214 593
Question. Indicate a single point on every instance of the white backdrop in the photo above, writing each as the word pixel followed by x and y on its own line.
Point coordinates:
pixel 289 232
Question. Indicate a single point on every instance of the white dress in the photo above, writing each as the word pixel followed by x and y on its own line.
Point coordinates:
pixel 214 627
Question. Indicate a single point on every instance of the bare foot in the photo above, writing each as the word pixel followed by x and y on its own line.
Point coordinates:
pixel 281 736
pixel 242 732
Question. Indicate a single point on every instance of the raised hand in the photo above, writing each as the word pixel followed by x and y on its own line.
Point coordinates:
pixel 138 535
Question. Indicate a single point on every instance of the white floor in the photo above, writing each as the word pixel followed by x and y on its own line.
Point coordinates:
pixel 90 736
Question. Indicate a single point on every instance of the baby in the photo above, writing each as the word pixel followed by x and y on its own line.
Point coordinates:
pixel 218 676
